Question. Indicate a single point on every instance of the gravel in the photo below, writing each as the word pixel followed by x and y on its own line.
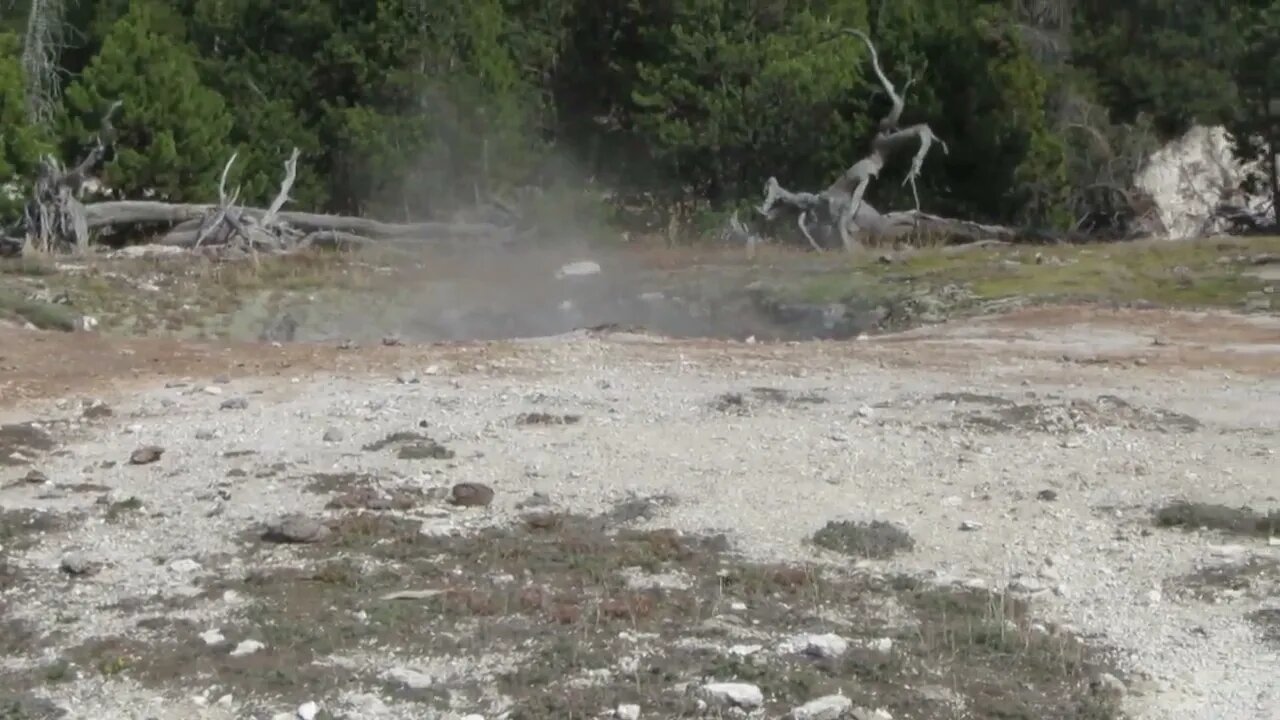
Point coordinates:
pixel 989 508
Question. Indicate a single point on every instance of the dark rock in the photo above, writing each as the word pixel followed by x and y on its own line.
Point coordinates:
pixel 471 495
pixel 146 455
pixel 296 529
pixel 77 565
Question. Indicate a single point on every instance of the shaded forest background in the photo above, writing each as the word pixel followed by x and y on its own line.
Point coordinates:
pixel 673 110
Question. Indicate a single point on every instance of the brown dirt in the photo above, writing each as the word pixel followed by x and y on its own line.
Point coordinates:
pixel 1157 339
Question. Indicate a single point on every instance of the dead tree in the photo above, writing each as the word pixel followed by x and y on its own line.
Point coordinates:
pixel 841 209
pixel 55 219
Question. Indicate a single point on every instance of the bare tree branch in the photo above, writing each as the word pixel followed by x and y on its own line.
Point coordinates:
pixel 290 174
pixel 843 199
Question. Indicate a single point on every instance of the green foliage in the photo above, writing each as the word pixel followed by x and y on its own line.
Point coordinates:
pixel 21 144
pixel 990 98
pixel 1258 80
pixel 172 129
pixel 417 108
pixel 731 93
pixel 1170 59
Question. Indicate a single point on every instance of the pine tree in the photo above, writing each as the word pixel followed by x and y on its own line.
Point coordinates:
pixel 172 130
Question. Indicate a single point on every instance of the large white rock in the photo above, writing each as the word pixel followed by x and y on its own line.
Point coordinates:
pixel 1189 177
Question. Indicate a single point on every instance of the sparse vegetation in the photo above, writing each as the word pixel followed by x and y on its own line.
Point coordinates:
pixel 1167 273
pixel 1268 622
pixel 1189 515
pixel 1231 577
pixel 567 618
pixel 875 540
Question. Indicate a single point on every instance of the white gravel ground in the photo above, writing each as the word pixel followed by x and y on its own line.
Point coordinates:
pixel 882 445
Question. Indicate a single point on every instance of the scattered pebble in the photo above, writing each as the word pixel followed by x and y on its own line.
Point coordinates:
pixel 146 455
pixel 970 525
pixel 212 636
pixel 236 403
pixel 308 711
pixel 1047 495
pixel 333 435
pixel 627 712
pixel 35 477
pixel 213 390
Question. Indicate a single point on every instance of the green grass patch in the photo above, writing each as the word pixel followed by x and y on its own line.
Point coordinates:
pixel 46 316
pixel 1186 274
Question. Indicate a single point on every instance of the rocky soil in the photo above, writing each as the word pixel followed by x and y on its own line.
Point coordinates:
pixel 1066 513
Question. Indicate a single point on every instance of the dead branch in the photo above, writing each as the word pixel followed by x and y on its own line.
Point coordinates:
pixel 842 206
pixel 54 217
pixel 290 174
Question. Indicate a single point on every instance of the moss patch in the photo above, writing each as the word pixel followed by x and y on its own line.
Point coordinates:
pixel 1188 274
pixel 1210 516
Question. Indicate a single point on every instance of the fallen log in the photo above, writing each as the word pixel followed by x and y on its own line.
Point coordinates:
pixel 119 213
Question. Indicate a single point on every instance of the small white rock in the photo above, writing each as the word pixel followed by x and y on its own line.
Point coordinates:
pixel 578 269
pixel 308 711
pixel 246 647
pixel 1233 552
pixel 831 707
pixel 226 700
pixel 866 411
pixel 627 712
pixel 409 677
pixel 884 645
pixel 184 566
pixel 212 390
pixel 212 636
pixel 738 606
pixel 730 694
pixel 828 645
pixel 1111 685
pixel 970 525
